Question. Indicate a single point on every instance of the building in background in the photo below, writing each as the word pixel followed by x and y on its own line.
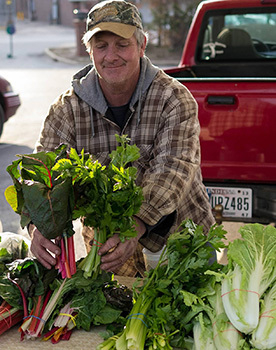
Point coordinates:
pixel 51 11
pixel 56 11
pixel 166 22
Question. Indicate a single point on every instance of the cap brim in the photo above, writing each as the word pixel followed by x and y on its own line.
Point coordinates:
pixel 124 30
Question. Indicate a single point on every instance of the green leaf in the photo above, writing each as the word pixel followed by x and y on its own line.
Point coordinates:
pixel 189 298
pixel 11 197
pixel 5 255
pixel 48 209
pixel 106 315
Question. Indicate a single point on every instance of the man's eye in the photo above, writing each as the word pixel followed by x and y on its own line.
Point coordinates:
pixel 100 46
pixel 123 44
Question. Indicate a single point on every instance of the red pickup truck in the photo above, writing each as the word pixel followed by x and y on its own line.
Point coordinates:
pixel 229 65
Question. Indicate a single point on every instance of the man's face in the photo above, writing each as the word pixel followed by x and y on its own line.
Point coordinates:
pixel 117 60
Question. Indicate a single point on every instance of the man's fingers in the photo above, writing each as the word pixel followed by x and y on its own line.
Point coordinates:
pixel 116 258
pixel 44 257
pixel 45 262
pixel 110 244
pixel 42 248
pixel 112 267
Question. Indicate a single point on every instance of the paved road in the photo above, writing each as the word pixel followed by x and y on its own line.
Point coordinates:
pixel 39 80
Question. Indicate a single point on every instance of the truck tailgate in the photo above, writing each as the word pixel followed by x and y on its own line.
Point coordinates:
pixel 238 127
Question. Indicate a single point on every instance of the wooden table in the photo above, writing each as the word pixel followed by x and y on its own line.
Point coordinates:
pixel 80 340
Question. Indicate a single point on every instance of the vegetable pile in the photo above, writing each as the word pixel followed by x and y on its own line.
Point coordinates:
pixel 50 307
pixel 190 304
pixel 50 190
pixel 188 301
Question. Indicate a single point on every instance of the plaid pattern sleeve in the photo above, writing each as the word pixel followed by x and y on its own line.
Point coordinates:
pixel 171 177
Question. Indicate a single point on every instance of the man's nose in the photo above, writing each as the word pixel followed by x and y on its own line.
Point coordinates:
pixel 111 53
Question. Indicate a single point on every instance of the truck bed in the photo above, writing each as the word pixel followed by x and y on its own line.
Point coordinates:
pixel 229 65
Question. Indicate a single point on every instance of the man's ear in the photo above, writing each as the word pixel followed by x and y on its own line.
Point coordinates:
pixel 143 47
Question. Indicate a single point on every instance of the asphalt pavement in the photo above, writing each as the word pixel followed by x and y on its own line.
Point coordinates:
pixel 62 44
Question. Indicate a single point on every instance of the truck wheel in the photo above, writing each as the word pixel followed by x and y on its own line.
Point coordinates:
pixel 1 120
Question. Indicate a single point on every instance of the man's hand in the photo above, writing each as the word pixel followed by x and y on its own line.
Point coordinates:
pixel 41 247
pixel 115 253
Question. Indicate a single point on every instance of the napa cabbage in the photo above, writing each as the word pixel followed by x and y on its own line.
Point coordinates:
pixel 203 334
pixel 264 336
pixel 251 270
pixel 225 335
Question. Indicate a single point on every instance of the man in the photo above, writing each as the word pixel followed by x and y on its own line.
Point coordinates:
pixel 123 93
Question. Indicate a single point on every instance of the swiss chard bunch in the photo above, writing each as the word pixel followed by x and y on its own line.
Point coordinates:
pixel 24 286
pixel 39 196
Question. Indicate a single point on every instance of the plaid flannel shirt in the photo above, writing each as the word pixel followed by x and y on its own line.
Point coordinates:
pixel 163 123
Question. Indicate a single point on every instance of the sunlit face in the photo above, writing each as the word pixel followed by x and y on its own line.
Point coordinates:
pixel 117 60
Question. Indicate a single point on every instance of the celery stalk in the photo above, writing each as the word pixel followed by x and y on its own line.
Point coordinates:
pixel 134 334
pixel 109 344
pixel 121 342
pixel 91 263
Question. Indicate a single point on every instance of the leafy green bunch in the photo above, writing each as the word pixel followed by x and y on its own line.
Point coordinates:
pixel 106 196
pixel 86 296
pixel 53 188
pixel 39 195
pixel 173 293
pixel 23 280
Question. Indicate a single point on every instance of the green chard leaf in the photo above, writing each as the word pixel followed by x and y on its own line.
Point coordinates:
pixel 38 195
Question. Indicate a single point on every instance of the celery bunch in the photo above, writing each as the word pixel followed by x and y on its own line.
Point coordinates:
pixel 106 197
pixel 168 292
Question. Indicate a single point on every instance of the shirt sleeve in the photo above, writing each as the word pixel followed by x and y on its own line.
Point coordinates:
pixel 175 156
pixel 162 227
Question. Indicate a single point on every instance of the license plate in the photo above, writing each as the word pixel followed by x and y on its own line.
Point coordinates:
pixel 236 202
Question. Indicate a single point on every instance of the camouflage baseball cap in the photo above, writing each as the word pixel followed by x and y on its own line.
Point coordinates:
pixel 117 16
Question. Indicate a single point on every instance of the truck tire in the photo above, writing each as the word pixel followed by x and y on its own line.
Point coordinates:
pixel 1 119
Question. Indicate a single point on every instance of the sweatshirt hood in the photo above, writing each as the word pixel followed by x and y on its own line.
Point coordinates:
pixel 86 85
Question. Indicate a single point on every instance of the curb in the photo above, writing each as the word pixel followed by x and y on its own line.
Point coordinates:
pixel 50 52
